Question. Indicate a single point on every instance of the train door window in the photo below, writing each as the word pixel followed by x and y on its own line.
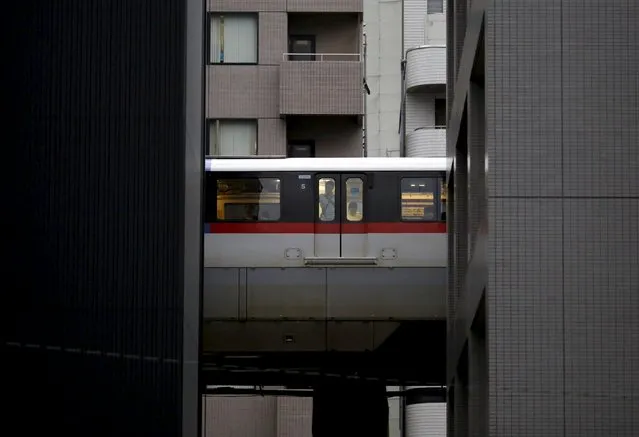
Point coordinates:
pixel 248 199
pixel 326 196
pixel 354 199
pixel 418 199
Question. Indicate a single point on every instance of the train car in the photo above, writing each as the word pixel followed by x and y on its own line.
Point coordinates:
pixel 324 239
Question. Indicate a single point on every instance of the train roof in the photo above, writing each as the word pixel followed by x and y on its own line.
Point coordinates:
pixel 325 164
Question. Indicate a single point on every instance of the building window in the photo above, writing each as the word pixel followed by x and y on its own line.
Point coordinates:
pixel 301 149
pixel 301 48
pixel 248 199
pixel 233 39
pixel 418 199
pixel 354 199
pixel 435 6
pixel 233 138
pixel 440 113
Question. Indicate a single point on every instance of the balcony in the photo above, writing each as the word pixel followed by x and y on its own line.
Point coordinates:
pixel 326 84
pixel 325 6
pixel 426 142
pixel 426 69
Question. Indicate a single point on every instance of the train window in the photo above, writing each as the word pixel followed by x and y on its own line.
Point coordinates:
pixel 248 199
pixel 418 199
pixel 354 199
pixel 326 196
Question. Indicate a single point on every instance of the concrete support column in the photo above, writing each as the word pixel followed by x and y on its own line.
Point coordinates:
pixel 350 409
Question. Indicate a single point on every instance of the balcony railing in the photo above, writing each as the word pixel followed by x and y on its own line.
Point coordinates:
pixel 322 57
pixel 343 6
pixel 321 84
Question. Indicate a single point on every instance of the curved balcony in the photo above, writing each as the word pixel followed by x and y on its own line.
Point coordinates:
pixel 426 142
pixel 426 68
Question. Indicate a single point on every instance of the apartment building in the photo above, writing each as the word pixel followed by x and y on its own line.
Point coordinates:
pixel 423 116
pixel 285 77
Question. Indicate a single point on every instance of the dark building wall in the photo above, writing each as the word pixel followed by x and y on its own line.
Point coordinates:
pixel 100 277
pixel 557 262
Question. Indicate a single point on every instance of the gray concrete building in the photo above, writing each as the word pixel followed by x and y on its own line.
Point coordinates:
pixel 543 213
pixel 285 77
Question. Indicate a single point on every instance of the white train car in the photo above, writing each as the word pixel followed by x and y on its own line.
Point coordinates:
pixel 305 242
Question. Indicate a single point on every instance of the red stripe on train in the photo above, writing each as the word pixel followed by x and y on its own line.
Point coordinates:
pixel 327 228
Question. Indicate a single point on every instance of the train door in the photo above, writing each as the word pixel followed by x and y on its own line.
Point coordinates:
pixel 354 232
pixel 340 231
pixel 327 216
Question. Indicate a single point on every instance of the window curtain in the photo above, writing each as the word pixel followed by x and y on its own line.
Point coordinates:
pixel 233 138
pixel 216 39
pixel 234 39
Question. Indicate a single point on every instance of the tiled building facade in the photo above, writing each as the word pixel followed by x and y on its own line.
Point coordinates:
pixel 543 217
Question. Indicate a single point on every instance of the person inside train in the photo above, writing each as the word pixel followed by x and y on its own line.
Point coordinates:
pixel 251 211
pixel 327 202
pixel 353 213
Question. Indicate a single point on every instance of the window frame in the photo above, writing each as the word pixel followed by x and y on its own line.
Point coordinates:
pixel 440 113
pixel 439 2
pixel 311 56
pixel 212 121
pixel 346 201
pixel 336 198
pixel 210 15
pixel 291 143
pixel 234 176
pixel 436 199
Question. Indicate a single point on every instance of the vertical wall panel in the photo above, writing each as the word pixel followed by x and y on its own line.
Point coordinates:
pixel 600 124
pixel 561 137
pixel 294 417
pixel 383 56
pixel 526 321
pixel 93 211
pixel 243 91
pixel 241 416
pixel 246 5
pixel 601 310
pixel 273 39
pixel 271 136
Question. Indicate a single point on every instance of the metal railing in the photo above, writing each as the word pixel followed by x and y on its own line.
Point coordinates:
pixel 425 46
pixel 323 57
pixel 429 127
pixel 436 392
